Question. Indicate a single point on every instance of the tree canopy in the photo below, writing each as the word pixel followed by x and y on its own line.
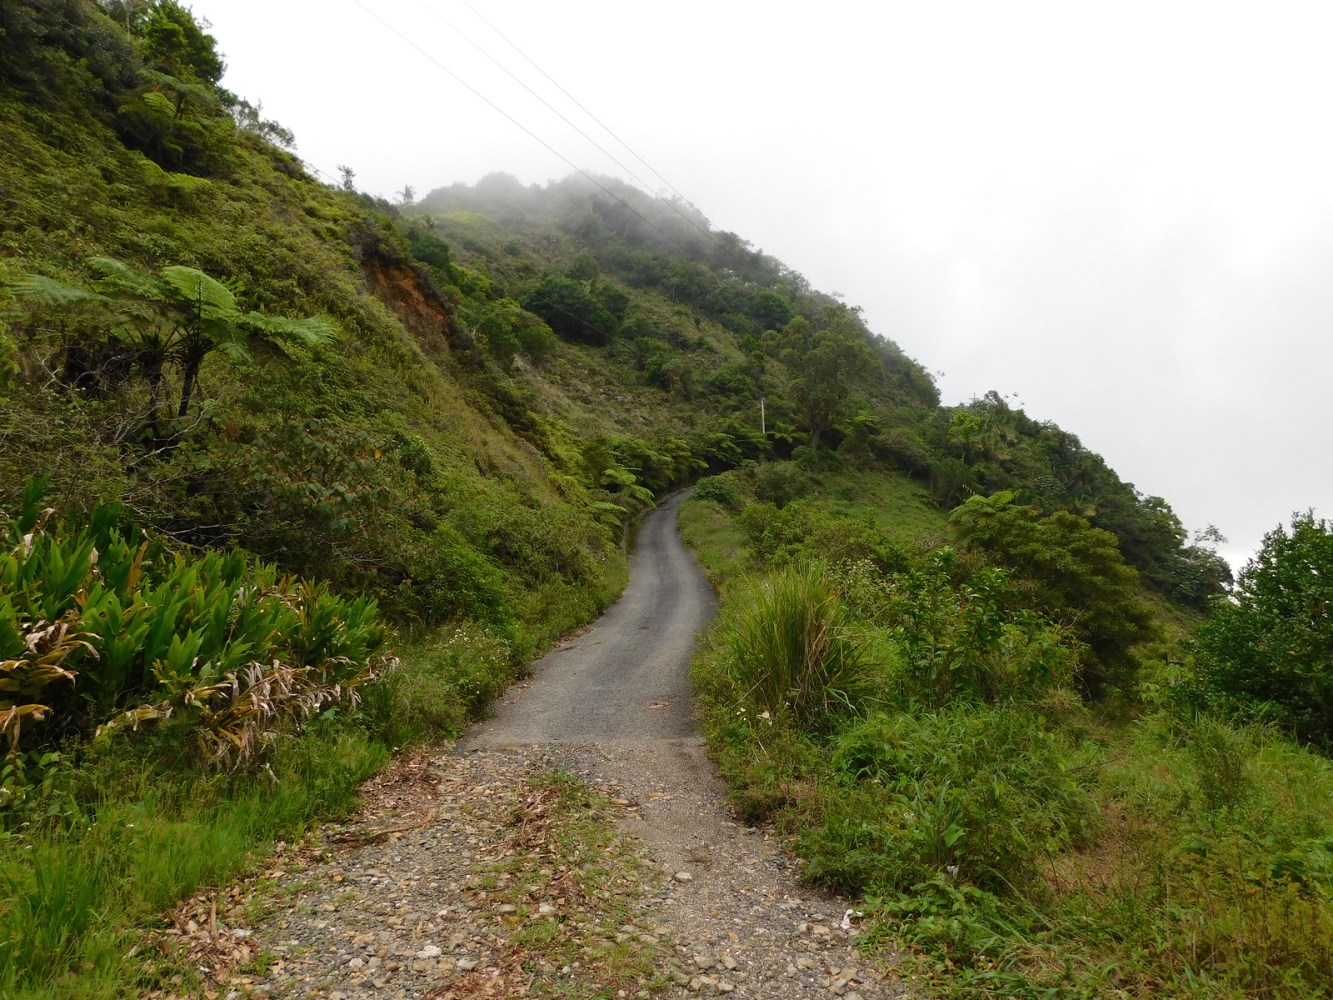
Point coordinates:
pixel 1267 650
pixel 1076 575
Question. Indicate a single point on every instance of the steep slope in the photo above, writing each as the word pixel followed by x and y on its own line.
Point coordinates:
pixel 393 460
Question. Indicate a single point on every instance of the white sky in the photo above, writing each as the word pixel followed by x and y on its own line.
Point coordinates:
pixel 1120 213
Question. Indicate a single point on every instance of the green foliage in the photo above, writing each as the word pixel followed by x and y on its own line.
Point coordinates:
pixel 570 310
pixel 978 796
pixel 957 639
pixel 1016 843
pixel 789 649
pixel 152 323
pixel 583 268
pixel 771 310
pixel 445 680
pixel 506 328
pixel 779 483
pixel 94 620
pixel 1076 575
pixel 141 830
pixel 724 489
pixel 432 251
pixel 823 365
pixel 174 41
pixel 51 49
pixel 1267 651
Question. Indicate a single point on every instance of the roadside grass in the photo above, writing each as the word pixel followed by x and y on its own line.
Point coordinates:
pixel 1027 847
pixel 716 540
pixel 136 832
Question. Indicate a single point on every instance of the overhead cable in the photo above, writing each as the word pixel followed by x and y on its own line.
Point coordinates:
pixel 606 128
pixel 477 93
pixel 561 115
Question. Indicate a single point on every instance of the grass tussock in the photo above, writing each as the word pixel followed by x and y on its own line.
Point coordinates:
pixel 791 649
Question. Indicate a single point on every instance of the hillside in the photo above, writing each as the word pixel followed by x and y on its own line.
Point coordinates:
pixel 500 350
pixel 262 438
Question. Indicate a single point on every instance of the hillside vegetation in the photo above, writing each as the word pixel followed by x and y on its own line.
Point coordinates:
pixel 913 715
pixel 292 477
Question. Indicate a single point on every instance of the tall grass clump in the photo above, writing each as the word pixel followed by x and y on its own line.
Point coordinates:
pixel 791 649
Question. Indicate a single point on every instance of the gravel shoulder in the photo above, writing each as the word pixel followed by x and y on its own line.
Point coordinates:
pixel 464 875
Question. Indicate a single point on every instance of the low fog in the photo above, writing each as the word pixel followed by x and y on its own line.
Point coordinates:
pixel 1121 218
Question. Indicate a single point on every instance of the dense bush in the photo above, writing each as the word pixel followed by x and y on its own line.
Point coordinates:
pixel 1267 651
pixel 976 795
pixel 1073 573
pixel 957 639
pixel 571 311
pixel 725 489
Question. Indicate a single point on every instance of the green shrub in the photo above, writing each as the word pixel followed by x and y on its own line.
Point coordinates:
pixel 981 795
pixel 959 641
pixel 95 620
pixel 779 483
pixel 725 489
pixel 571 311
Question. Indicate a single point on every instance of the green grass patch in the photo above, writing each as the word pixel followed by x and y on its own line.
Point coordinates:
pixel 136 833
pixel 572 891
pixel 899 506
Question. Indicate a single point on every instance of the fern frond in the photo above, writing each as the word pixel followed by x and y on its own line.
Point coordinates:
pixel 126 279
pixel 192 286
pixel 50 292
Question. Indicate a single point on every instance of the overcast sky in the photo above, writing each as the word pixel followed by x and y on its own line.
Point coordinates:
pixel 1120 214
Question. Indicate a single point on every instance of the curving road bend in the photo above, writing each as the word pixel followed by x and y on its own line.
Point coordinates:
pixel 627 678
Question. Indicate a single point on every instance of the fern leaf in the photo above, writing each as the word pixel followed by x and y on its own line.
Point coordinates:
pixel 193 286
pixel 122 278
pixel 49 291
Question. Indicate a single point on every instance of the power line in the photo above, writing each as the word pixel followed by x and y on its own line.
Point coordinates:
pixel 477 93
pixel 556 111
pixel 606 128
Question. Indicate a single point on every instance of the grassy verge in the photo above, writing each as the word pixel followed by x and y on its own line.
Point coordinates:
pixel 1016 841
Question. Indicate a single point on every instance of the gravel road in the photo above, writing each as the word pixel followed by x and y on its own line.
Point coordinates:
pixel 403 902
pixel 625 680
